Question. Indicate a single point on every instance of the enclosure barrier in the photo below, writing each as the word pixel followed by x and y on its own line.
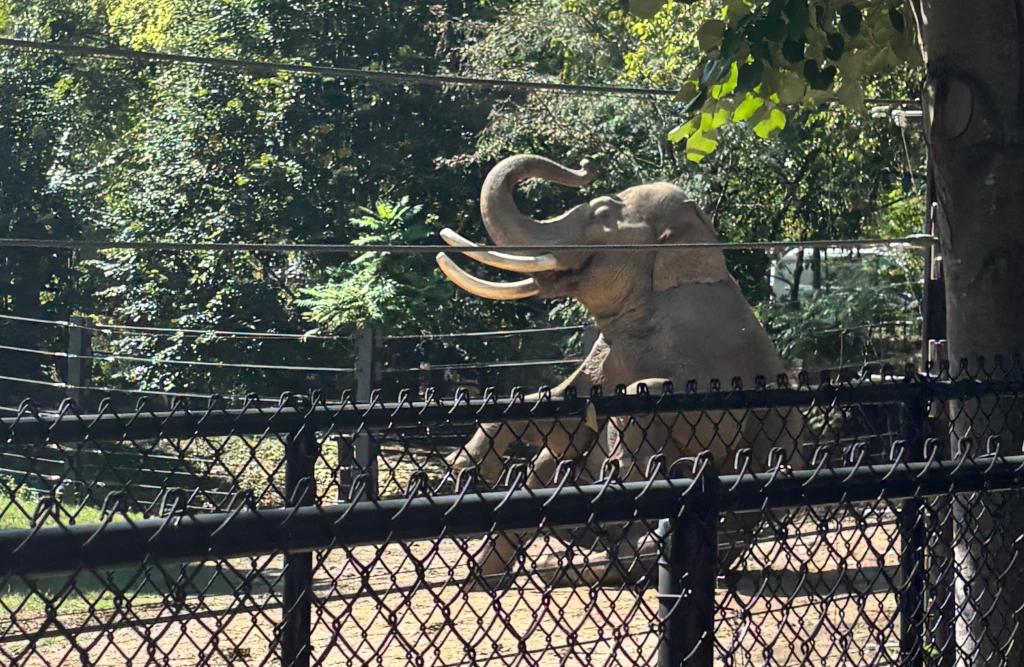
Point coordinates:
pixel 275 571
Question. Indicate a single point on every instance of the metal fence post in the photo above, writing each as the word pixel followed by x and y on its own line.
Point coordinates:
pixel 364 457
pixel 300 490
pixel 913 542
pixel 687 575
pixel 79 362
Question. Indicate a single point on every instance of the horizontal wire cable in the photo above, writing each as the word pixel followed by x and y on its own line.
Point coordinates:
pixel 106 328
pixel 351 73
pixel 914 241
pixel 147 392
pixel 181 362
pixel 480 334
pixel 101 327
pixel 485 364
pixel 862 327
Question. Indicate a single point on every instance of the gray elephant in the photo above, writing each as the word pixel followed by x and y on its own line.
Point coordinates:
pixel 664 315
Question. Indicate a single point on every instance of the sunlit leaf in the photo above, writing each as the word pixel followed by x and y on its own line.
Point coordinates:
pixel 683 131
pixel 771 126
pixel 721 90
pixel 747 108
pixel 699 146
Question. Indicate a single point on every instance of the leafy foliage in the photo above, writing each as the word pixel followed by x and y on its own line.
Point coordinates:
pixel 758 58
pixel 867 309
pixel 399 293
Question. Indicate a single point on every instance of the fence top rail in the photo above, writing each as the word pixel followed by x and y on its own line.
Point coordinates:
pixel 182 538
pixel 297 412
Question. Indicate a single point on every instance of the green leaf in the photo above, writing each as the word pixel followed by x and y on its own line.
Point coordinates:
pixel 791 88
pixel 836 46
pixel 819 79
pixel 749 75
pixel 736 10
pixel 689 91
pixel 797 18
pixel 683 131
pixel 851 95
pixel 771 27
pixel 850 18
pixel 896 18
pixel 696 103
pixel 645 9
pixel 770 81
pixel 699 146
pixel 793 49
pixel 772 125
pixel 710 35
pixel 721 90
pixel 747 108
pixel 713 121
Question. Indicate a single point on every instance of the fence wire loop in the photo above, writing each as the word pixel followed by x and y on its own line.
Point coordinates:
pixel 741 462
pixel 564 471
pixel 464 482
pixel 776 464
pixel 856 455
pixel 932 447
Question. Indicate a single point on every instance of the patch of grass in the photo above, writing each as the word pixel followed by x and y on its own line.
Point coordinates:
pixel 29 600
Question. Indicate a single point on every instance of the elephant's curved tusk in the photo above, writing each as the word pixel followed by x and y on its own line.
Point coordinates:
pixel 485 288
pixel 501 260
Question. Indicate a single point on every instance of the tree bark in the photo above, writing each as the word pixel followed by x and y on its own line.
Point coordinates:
pixel 974 124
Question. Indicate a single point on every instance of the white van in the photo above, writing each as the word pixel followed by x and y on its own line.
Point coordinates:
pixel 783 268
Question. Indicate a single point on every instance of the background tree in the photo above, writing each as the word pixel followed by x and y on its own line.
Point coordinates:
pixel 60 116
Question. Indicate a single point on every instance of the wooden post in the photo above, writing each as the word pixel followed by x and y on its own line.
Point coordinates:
pixel 79 362
pixel 364 454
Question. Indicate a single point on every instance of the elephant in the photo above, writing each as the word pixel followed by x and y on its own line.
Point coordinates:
pixel 672 315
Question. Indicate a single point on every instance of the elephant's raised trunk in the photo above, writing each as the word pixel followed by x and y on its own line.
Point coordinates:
pixel 505 224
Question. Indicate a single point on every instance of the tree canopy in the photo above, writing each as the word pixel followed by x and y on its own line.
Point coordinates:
pixel 107 149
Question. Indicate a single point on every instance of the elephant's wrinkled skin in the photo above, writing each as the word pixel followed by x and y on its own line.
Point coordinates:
pixel 675 315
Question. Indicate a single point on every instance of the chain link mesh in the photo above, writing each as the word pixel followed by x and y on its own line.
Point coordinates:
pixel 874 523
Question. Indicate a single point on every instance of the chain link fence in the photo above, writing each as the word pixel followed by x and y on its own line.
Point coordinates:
pixel 872 523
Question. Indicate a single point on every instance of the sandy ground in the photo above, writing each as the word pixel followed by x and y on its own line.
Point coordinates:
pixel 401 604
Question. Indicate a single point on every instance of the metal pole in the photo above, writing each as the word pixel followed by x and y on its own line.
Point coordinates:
pixel 300 490
pixel 933 303
pixel 913 542
pixel 364 456
pixel 687 574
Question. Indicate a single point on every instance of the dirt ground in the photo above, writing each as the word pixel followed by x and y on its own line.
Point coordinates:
pixel 401 605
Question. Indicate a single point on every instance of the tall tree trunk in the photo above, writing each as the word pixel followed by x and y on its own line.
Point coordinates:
pixel 974 124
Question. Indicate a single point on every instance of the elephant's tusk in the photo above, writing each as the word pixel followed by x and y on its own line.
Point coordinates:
pixel 485 288
pixel 501 260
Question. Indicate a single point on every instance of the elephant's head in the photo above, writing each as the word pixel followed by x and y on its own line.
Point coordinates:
pixel 602 281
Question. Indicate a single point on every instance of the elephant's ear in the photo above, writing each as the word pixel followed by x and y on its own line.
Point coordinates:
pixel 677 267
